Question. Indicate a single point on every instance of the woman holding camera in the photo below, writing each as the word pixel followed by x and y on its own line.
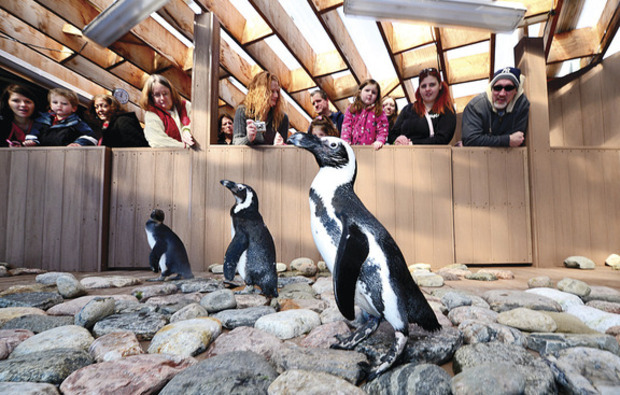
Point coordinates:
pixel 260 119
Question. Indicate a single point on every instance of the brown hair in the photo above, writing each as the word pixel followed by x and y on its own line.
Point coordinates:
pixel 5 109
pixel 391 118
pixel 66 93
pixel 325 124
pixel 443 102
pixel 115 106
pixel 146 99
pixel 358 105
pixel 257 100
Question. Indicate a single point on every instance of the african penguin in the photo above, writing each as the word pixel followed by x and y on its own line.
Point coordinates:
pixel 367 266
pixel 251 249
pixel 168 253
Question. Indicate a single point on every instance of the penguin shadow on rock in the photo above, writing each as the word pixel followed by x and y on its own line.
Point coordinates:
pixel 251 251
pixel 168 254
pixel 367 267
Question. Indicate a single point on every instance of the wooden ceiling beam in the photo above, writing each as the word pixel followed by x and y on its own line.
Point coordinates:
pixel 403 37
pixel 326 5
pixel 567 20
pixel 452 38
pixel 573 44
pixel 551 27
pixel 469 68
pixel 410 63
pixel 607 28
pixel 232 95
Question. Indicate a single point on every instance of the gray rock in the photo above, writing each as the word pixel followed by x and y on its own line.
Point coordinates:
pixel 567 323
pixel 50 366
pixel 216 268
pixel 97 282
pixel 240 372
pixel 594 318
pixel 466 313
pixel 583 370
pixel 70 337
pixel 305 266
pixel 146 292
pixel 232 319
pixel 538 376
pixel 133 306
pixel 453 300
pixel 28 389
pixel 288 324
pixel 613 260
pixel 297 381
pixel 281 267
pixel 340 363
pixel 245 338
pixel 579 262
pixel 610 307
pixel 481 276
pixel 599 292
pixel 575 287
pixel 50 278
pixel 323 284
pixel 39 300
pixel 135 374
pixel 69 286
pixel 38 323
pixel 10 338
pixel 527 320
pixel 284 281
pixel 411 379
pixel 500 274
pixel 250 300
pixel 188 312
pixel 540 282
pixel 504 300
pixel 72 307
pixel 489 379
pixel 95 310
pixel 10 313
pixel 428 279
pixel 26 288
pixel 186 338
pixel 331 314
pixel 546 343
pixel 422 346
pixel 486 332
pixel 170 304
pixel 115 346
pixel 325 335
pixel 143 324
pixel 297 290
pixel 18 271
pixel 4 272
pixel 200 285
pixel 223 299
pixel 564 299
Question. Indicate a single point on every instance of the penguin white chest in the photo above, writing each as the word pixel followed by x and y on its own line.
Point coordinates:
pixel 323 239
pixel 150 239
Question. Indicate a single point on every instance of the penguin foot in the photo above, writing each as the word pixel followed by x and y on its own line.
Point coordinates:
pixel 359 335
pixel 392 355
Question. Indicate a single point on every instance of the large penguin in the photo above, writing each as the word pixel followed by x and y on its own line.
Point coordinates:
pixel 367 266
pixel 168 253
pixel 251 249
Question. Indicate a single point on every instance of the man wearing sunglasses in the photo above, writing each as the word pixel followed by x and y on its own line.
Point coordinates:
pixel 498 117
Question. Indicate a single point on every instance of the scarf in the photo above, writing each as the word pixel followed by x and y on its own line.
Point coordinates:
pixel 170 126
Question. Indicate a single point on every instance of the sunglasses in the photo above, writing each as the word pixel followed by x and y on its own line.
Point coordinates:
pixel 429 70
pixel 507 88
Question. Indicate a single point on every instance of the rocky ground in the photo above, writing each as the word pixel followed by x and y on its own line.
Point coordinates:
pixel 116 333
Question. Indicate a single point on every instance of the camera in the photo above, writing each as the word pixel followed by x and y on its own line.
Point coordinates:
pixel 260 126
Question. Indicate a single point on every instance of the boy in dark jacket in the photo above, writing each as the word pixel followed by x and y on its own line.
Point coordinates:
pixel 61 125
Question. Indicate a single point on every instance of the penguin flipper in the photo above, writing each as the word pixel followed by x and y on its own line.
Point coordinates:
pixel 352 253
pixel 235 249
pixel 158 250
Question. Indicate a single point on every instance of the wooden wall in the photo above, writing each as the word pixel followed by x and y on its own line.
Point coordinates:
pixel 585 111
pixel 54 212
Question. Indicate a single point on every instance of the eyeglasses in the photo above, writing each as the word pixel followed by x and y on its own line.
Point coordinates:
pixel 429 70
pixel 507 88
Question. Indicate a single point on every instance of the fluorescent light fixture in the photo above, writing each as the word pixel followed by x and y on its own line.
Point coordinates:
pixel 485 14
pixel 119 18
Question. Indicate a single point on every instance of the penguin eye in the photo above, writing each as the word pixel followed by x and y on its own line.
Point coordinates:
pixel 333 145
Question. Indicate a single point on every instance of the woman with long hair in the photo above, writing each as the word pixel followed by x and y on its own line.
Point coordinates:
pixel 18 109
pixel 260 119
pixel 224 129
pixel 390 108
pixel 431 119
pixel 114 127
pixel 167 115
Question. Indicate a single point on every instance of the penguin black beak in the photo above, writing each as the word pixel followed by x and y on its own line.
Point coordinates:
pixel 304 140
pixel 230 185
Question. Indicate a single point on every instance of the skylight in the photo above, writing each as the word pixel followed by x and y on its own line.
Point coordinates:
pixel 309 25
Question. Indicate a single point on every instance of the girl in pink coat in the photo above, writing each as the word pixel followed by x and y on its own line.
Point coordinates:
pixel 365 123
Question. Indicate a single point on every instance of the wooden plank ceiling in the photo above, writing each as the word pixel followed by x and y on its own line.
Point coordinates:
pixel 46 35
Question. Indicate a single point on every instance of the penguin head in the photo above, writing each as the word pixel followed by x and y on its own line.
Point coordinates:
pixel 158 215
pixel 328 151
pixel 244 194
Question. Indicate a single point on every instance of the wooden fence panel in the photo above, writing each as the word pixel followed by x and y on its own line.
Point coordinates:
pixel 491 222
pixel 5 175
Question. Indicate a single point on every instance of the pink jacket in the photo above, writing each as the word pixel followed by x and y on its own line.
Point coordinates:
pixel 364 128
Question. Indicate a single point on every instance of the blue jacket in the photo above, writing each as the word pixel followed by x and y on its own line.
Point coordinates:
pixel 70 130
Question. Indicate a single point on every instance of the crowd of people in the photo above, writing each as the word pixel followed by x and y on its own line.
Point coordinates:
pixel 496 117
